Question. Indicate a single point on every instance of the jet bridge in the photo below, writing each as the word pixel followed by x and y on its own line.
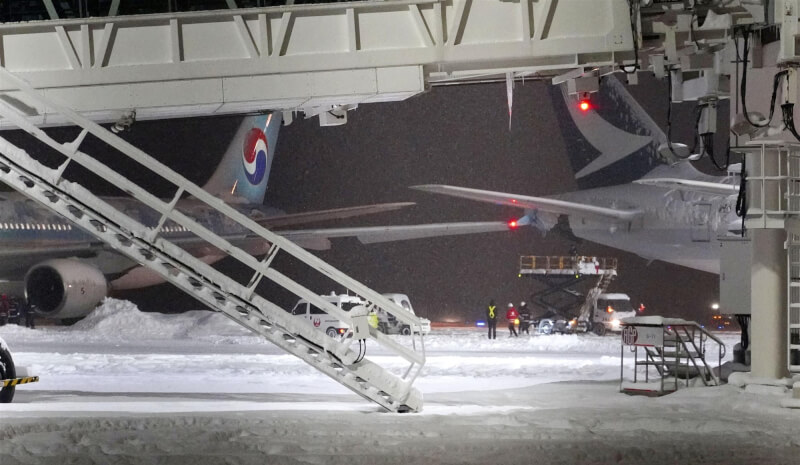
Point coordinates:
pixel 321 59
pixel 343 358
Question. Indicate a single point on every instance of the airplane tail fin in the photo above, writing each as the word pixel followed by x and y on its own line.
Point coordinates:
pixel 615 141
pixel 243 172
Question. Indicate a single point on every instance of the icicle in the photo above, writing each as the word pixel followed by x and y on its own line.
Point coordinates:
pixel 510 95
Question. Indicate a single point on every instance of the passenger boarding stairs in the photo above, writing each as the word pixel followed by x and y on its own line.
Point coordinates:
pixel 341 358
pixel 669 354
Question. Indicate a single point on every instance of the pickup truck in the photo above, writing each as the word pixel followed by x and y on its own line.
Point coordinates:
pixel 389 324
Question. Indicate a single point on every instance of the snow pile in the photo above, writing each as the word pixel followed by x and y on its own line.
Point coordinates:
pixel 120 320
pixel 123 320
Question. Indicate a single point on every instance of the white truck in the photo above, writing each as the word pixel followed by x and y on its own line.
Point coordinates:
pixel 609 310
pixel 317 317
pixel 387 323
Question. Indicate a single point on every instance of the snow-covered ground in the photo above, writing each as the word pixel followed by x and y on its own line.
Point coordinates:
pixel 128 387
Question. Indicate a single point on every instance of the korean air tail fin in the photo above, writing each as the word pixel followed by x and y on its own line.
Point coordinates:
pixel 243 172
pixel 615 141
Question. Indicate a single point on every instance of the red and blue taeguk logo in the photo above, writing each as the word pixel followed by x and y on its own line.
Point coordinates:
pixel 254 155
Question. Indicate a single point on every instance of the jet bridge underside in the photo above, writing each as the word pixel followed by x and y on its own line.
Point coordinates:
pixel 303 57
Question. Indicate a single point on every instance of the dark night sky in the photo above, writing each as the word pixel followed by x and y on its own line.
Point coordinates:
pixel 459 135
pixel 455 135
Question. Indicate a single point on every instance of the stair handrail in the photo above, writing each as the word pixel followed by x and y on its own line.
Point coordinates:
pixel 701 351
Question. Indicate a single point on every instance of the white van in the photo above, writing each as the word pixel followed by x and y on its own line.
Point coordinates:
pixel 389 324
pixel 609 309
pixel 319 319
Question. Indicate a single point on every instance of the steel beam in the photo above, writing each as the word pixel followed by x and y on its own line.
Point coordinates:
pixel 302 56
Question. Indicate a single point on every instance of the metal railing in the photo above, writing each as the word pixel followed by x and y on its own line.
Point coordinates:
pixel 564 262
pixel 680 355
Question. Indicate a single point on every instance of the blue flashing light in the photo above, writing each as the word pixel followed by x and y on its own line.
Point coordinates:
pixel 480 323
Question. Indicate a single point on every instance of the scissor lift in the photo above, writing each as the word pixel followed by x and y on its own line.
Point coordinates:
pixel 563 275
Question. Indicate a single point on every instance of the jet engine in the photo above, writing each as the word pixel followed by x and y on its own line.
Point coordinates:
pixel 63 288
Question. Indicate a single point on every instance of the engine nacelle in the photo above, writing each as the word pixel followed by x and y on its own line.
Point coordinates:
pixel 63 288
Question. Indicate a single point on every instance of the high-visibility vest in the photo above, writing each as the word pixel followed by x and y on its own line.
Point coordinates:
pixel 491 311
pixel 373 319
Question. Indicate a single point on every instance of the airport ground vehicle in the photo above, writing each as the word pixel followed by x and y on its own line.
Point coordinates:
pixel 10 375
pixel 319 319
pixel 606 312
pixel 388 324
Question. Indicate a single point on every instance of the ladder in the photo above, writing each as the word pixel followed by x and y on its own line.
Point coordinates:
pixel 343 358
pixel 793 294
pixel 591 297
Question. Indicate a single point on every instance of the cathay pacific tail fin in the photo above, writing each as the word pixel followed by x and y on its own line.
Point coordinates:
pixel 614 141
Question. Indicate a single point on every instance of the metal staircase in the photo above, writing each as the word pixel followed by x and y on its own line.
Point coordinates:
pixel 674 349
pixel 594 293
pixel 342 358
pixel 793 285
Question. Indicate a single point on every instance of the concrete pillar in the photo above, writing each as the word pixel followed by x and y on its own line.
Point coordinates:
pixel 768 325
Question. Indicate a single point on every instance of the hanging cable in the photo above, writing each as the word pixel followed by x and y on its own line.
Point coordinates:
pixel 741 198
pixel 708 148
pixel 669 118
pixel 633 11
pixel 362 351
pixel 788 119
pixel 743 86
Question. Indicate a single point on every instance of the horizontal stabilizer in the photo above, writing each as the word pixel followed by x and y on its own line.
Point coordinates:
pixel 562 207
pixel 317 238
pixel 686 185
pixel 325 215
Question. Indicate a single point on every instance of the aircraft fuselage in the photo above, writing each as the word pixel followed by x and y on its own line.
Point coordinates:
pixel 31 233
pixel 676 226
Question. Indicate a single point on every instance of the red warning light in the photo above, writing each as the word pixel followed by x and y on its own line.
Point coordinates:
pixel 584 105
pixel 512 224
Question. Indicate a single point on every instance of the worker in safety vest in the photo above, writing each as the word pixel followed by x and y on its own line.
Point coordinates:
pixel 513 318
pixel 491 319
pixel 524 318
pixel 372 318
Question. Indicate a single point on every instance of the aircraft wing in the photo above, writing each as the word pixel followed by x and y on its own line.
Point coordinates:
pixel 318 239
pixel 702 187
pixel 562 207
pixel 270 222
